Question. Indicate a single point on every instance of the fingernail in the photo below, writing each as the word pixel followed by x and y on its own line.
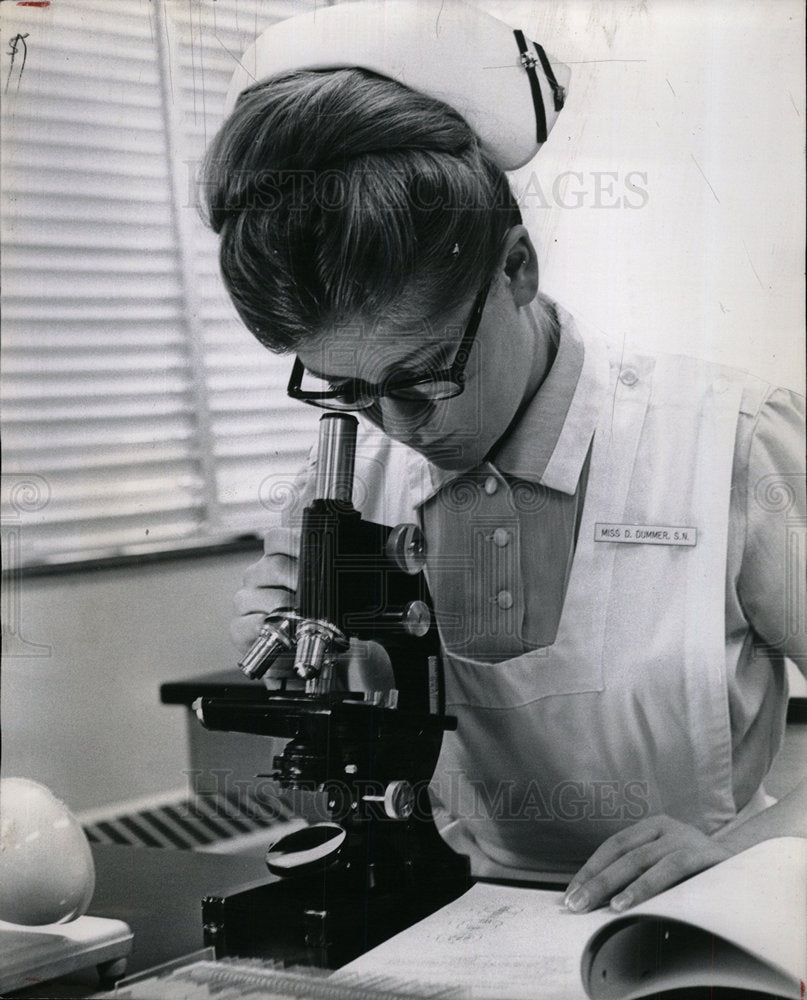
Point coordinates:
pixel 578 900
pixel 621 902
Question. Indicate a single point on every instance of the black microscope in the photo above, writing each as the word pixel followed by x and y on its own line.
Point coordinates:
pixel 376 863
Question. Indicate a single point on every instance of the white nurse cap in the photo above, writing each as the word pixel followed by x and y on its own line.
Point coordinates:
pixel 505 86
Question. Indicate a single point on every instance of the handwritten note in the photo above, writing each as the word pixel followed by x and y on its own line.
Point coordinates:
pixel 17 46
pixel 493 942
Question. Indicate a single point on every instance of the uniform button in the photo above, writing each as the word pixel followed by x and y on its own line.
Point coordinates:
pixel 501 537
pixel 629 377
pixel 491 485
pixel 504 599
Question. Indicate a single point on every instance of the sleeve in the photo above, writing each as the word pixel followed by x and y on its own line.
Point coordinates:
pixel 294 497
pixel 771 583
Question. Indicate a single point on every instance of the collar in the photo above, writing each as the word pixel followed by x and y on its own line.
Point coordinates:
pixel 550 442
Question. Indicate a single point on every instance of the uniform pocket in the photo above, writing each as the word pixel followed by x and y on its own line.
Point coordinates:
pixel 559 669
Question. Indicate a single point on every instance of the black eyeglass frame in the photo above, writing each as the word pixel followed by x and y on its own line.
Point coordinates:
pixel 454 375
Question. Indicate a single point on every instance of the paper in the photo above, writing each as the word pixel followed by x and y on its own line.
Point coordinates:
pixel 503 943
pixel 753 911
pixel 493 942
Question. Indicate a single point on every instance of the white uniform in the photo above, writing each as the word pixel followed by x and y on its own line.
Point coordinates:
pixel 644 674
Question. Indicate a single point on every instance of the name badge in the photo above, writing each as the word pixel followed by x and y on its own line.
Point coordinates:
pixel 646 534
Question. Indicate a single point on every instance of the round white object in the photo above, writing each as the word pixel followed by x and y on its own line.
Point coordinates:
pixel 47 873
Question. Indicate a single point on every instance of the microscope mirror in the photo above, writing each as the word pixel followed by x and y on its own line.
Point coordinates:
pixel 299 853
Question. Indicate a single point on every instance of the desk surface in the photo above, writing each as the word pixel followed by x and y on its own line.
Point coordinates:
pixel 159 895
pixel 159 892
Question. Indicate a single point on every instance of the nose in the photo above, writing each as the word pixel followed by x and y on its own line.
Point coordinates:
pixel 401 418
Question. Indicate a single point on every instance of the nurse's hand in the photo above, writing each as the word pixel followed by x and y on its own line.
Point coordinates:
pixel 269 584
pixel 640 861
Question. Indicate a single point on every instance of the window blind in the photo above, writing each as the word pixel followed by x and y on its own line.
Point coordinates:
pixel 258 436
pixel 137 410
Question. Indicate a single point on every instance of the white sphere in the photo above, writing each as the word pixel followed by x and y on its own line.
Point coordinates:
pixel 47 873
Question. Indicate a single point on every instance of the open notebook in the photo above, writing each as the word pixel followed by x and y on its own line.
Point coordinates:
pixel 741 924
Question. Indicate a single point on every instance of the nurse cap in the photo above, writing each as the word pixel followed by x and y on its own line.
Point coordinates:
pixel 505 86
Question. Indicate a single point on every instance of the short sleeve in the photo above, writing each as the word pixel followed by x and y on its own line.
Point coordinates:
pixel 295 496
pixel 771 583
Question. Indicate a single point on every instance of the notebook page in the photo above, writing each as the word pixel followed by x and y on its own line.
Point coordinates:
pixel 493 942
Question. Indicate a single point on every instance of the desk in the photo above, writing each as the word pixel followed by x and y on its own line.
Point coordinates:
pixel 159 892
pixel 159 895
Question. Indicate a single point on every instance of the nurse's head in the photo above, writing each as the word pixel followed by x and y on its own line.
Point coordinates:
pixel 365 231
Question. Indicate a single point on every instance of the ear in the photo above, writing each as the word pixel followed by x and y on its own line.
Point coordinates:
pixel 519 263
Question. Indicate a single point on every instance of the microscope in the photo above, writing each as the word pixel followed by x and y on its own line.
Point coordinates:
pixel 376 863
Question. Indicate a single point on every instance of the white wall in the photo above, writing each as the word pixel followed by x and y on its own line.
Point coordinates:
pixel 85 717
pixel 704 99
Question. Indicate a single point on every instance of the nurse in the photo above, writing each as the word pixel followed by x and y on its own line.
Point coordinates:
pixel 608 534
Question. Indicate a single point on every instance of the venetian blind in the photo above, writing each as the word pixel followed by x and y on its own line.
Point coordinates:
pixel 137 410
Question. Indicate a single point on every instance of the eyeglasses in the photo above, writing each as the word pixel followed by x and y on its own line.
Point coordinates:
pixel 354 394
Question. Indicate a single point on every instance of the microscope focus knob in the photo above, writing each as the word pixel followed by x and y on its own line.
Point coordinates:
pixel 406 548
pixel 416 618
pixel 399 800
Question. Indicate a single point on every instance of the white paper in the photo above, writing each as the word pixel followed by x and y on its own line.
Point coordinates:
pixel 493 942
pixel 504 943
pixel 757 900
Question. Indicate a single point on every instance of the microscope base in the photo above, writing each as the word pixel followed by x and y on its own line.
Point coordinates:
pixel 322 920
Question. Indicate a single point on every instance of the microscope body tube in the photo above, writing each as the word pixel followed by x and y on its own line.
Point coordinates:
pixel 336 457
pixel 311 627
pixel 318 633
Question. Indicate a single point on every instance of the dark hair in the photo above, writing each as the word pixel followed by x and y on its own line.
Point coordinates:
pixel 343 196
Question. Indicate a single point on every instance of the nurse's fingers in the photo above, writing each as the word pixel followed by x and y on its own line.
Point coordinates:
pixel 262 600
pixel 281 541
pixel 276 570
pixel 690 854
pixel 670 869
pixel 269 584
pixel 641 832
pixel 622 872
pixel 675 852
